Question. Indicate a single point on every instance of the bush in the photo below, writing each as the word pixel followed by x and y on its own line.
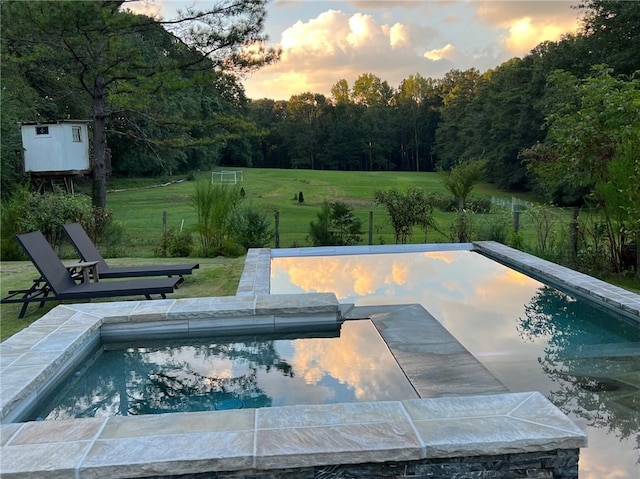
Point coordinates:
pixel 496 227
pixel 336 226
pixel 216 206
pixel 300 198
pixel 176 244
pixel 462 227
pixel 29 211
pixel 231 249
pixel 253 228
pixel 448 203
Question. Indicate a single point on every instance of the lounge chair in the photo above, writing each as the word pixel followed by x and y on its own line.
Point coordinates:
pixel 57 283
pixel 88 252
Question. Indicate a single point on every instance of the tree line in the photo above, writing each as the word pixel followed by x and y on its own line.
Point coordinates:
pixel 166 97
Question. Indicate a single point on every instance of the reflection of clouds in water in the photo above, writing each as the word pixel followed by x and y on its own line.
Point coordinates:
pixel 606 458
pixel 399 273
pixel 462 289
pixel 286 390
pixel 427 278
pixel 366 370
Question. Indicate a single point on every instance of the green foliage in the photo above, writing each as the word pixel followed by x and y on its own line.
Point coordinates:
pixel 29 211
pixel 545 223
pixel 515 239
pixel 336 225
pixel 406 210
pixel 462 227
pixel 300 198
pixel 176 244
pixel 253 228
pixel 462 178
pixel 448 203
pixel 161 89
pixel 593 133
pixel 495 227
pixel 215 206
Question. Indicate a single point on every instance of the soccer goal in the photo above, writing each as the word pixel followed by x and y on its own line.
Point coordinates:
pixel 232 177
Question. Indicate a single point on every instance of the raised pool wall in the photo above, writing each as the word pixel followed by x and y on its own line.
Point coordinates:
pixel 497 435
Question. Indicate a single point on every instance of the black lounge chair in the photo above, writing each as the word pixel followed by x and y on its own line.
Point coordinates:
pixel 88 252
pixel 57 283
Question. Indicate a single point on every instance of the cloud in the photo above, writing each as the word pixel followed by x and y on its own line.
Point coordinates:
pixel 336 45
pixel 524 24
pixel 446 52
pixel 323 42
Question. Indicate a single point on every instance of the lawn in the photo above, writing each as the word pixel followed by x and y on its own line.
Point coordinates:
pixel 215 277
pixel 138 205
pixel 140 209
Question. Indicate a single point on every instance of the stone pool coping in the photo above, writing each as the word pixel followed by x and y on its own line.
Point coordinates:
pixel 289 436
pixel 262 439
pixel 605 294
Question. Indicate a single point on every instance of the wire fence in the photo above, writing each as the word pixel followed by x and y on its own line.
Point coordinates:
pixel 512 204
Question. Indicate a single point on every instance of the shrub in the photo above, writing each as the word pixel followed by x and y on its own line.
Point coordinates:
pixel 231 249
pixel 176 244
pixel 29 211
pixel 336 226
pixel 462 227
pixel 253 228
pixel 448 203
pixel 215 206
pixel 300 198
pixel 496 227
pixel 406 210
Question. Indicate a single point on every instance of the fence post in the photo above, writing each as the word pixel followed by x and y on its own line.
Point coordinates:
pixel 277 233
pixel 516 221
pixel 573 252
pixel 164 223
pixel 370 228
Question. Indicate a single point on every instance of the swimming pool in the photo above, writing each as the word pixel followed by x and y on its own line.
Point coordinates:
pixel 529 335
pixel 463 427
pixel 151 377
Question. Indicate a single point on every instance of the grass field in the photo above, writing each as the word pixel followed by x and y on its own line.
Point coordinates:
pixel 138 206
pixel 140 209
pixel 215 277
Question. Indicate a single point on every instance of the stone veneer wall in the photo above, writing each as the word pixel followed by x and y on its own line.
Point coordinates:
pixel 556 464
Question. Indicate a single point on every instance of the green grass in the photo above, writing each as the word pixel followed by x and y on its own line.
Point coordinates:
pixel 138 205
pixel 215 277
pixel 140 210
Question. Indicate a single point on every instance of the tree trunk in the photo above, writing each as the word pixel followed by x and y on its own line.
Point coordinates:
pixel 99 191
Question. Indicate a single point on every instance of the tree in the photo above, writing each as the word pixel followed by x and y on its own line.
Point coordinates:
pixel 417 99
pixel 336 226
pixel 340 92
pixel 462 178
pixel 453 135
pixel 105 52
pixel 592 135
pixel 612 33
pixel 370 90
pixel 406 210
pixel 303 114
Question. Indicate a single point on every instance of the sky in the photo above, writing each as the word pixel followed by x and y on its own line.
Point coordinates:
pixel 324 41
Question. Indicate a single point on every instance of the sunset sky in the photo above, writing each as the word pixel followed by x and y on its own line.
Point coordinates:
pixel 324 41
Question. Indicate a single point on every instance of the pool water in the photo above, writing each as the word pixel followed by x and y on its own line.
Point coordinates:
pixel 529 335
pixel 232 373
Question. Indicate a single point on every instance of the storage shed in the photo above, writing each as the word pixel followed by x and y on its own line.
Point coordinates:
pixel 59 148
